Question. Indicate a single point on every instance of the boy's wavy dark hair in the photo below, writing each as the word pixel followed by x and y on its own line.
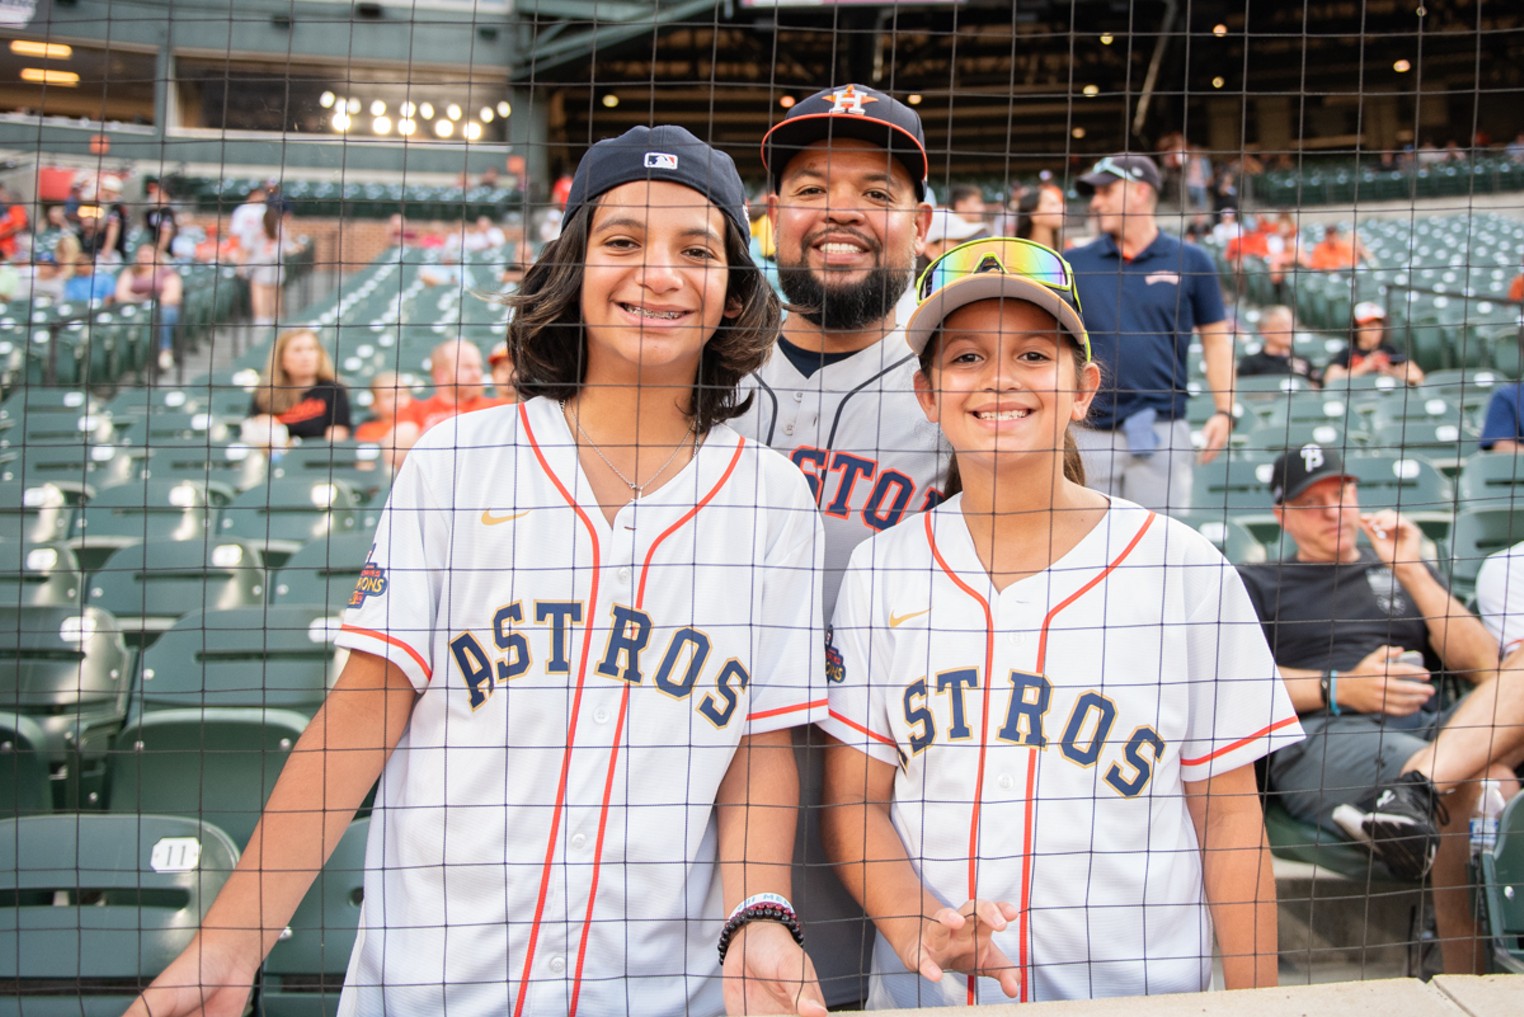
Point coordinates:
pixel 549 347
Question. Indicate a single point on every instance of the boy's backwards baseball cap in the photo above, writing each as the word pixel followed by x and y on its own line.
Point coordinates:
pixel 1298 469
pixel 1140 169
pixel 667 153
pixel 850 111
pixel 994 269
pixel 1369 310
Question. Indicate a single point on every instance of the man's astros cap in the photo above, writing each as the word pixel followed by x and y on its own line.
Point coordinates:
pixel 849 111
pixel 1140 169
pixel 1298 469
pixel 667 153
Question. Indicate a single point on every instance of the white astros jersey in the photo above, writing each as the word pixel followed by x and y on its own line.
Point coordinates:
pixel 856 431
pixel 544 835
pixel 1085 696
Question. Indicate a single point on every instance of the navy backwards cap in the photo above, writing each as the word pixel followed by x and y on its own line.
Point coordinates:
pixel 666 153
pixel 850 111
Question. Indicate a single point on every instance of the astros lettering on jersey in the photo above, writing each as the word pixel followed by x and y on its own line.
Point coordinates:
pixel 544 837
pixel 1085 696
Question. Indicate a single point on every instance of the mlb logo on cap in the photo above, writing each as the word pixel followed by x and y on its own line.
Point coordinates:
pixel 661 160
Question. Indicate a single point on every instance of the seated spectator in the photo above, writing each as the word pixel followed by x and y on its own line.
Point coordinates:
pixel 1503 430
pixel 145 279
pixel 456 368
pixel 1500 597
pixel 1228 228
pixel 1368 352
pixel 967 202
pixel 503 372
pixel 57 227
pixel 13 222
pixel 1040 217
pixel 388 395
pixel 42 279
pixel 89 285
pixel 445 273
pixel 1336 252
pixel 1359 634
pixel 1516 289
pixel 1277 328
pixel 300 391
pixel 158 215
pixel 10 280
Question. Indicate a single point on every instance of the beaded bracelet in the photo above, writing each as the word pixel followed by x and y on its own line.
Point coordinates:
pixel 1333 693
pixel 760 913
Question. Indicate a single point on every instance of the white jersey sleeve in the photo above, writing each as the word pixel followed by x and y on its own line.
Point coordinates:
pixel 1240 709
pixel 1500 597
pixel 393 609
pixel 859 710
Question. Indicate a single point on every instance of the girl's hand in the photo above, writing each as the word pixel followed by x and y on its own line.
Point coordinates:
pixel 961 940
pixel 200 981
pixel 766 972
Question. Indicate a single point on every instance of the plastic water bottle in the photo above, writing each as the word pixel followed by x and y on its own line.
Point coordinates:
pixel 1484 821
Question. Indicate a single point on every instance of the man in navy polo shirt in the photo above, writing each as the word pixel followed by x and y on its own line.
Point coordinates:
pixel 1144 293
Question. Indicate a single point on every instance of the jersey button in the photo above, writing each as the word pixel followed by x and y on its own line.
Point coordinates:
pixel 788 428
pixel 798 397
pixel 1005 782
pixel 624 575
pixel 579 840
pixel 557 965
pixel 601 715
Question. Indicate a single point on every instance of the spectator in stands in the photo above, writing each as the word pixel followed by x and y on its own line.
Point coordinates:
pixel 113 221
pixel 1040 217
pixel 1336 252
pixel 89 284
pixel 1500 597
pixel 10 280
pixel 456 368
pixel 947 230
pixel 445 273
pixel 246 224
pixel 388 396
pixel 13 222
pixel 1358 634
pixel 149 279
pixel 301 390
pixel 500 361
pixel 1144 294
pixel 398 233
pixel 1277 329
pixel 967 202
pixel 266 266
pixel 1516 289
pixel 158 216
pixel 1368 351
pixel 1228 228
pixel 55 228
pixel 1515 149
pixel 1503 430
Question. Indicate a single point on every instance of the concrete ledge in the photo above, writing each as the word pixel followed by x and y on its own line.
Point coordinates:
pixel 1451 996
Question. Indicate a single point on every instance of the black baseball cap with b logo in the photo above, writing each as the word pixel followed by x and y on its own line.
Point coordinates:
pixel 850 111
pixel 1298 469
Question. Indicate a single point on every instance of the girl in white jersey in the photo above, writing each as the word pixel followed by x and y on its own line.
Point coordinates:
pixel 561 657
pixel 1047 703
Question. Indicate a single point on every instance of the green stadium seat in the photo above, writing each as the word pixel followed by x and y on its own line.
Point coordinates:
pixel 1502 890
pixel 41 574
pixel 71 463
pixel 359 463
pixel 100 904
pixel 274 657
pixel 163 425
pixel 1477 533
pixel 1491 480
pixel 324 571
pixel 152 584
pixel 305 969
pixel 286 513
pixel 1307 842
pixel 225 470
pixel 218 765
pixel 137 511
pixel 1230 536
pixel 1407 484
pixel 25 784
pixel 69 669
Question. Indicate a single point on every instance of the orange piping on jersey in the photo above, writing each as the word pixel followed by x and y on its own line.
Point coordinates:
pixel 428 674
pixel 1024 933
pixel 1271 729
pixel 779 711
pixel 624 704
pixel 984 728
pixel 854 725
pixel 571 726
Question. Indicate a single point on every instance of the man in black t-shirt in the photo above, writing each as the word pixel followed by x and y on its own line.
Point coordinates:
pixel 1277 329
pixel 1358 634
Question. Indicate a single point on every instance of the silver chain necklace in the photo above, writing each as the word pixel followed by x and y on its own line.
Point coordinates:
pixel 637 490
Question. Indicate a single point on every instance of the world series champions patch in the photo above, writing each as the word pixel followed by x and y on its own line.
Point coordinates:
pixel 372 582
pixel 836 665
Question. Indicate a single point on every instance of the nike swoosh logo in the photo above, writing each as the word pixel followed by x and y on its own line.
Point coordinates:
pixel 896 620
pixel 488 519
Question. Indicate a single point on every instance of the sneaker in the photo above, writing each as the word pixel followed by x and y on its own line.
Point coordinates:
pixel 166 360
pixel 1397 823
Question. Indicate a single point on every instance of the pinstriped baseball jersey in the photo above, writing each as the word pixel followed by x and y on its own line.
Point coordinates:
pixel 544 837
pixel 1086 696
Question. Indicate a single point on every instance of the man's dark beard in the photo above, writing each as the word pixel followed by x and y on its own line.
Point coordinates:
pixel 845 308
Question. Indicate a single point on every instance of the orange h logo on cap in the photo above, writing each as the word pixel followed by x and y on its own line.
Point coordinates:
pixel 849 101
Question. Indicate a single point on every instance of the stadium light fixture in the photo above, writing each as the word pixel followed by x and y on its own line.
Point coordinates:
pixel 426 110
pixel 377 107
pixel 444 128
pixel 41 50
pixel 453 111
pixel 610 100
pixel 49 76
pixel 786 101
pixel 915 98
pixel 504 110
pixel 407 127
pixel 354 105
pixel 473 131
pixel 1219 30
pixel 408 108
pixel 1402 66
pixel 1077 134
pixel 1107 38
pixel 342 121
pixel 486 115
pixel 327 99
pixel 382 124
pixel 1219 81
pixel 1091 91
